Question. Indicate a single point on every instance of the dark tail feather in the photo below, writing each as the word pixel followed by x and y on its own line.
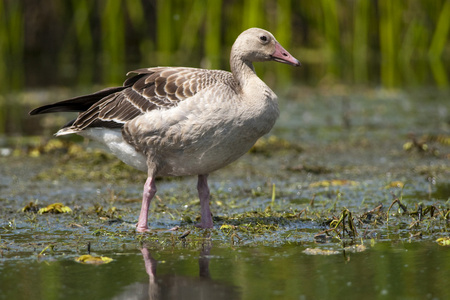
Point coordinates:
pixel 77 104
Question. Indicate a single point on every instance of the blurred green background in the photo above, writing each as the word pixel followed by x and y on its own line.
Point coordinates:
pixel 81 43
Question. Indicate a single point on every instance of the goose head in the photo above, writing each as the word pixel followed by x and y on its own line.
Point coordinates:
pixel 258 45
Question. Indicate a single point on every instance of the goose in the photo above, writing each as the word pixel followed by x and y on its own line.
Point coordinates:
pixel 179 121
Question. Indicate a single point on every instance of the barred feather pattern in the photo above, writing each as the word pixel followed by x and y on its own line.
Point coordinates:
pixel 151 88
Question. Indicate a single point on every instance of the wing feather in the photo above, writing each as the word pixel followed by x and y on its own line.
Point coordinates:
pixel 149 89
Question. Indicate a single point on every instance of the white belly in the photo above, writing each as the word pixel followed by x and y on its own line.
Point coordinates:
pixel 203 158
pixel 112 139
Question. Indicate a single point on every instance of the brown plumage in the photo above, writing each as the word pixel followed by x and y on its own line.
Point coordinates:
pixel 151 88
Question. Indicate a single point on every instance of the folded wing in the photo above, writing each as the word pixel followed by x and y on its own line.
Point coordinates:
pixel 149 89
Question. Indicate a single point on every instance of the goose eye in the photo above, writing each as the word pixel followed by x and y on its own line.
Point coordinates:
pixel 263 38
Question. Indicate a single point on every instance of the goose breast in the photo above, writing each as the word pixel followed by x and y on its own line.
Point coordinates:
pixel 204 132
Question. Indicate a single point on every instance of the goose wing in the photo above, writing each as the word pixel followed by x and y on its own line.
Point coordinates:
pixel 149 89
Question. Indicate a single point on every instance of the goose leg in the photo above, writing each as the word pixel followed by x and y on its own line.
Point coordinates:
pixel 203 194
pixel 149 192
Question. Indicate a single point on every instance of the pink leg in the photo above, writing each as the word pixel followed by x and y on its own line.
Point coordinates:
pixel 149 192
pixel 203 194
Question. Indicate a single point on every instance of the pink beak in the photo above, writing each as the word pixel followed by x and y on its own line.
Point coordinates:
pixel 282 56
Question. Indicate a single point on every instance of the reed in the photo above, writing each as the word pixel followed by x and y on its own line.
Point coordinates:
pixel 3 42
pixel 3 55
pixel 331 33
pixel 360 41
pixel 252 14
pixel 388 36
pixel 113 40
pixel 165 35
pixel 438 44
pixel 393 43
pixel 12 45
pixel 11 63
pixel 213 45
pixel 83 10
pixel 189 42
pixel 284 20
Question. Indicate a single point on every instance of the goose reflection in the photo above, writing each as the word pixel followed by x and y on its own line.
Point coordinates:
pixel 179 287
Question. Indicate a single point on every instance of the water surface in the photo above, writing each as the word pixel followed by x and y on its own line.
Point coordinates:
pixel 330 154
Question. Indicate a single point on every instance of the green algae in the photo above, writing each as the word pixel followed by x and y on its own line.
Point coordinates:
pixel 313 181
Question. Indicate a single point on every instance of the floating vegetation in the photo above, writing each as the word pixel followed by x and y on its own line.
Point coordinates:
pixel 334 182
pixel 395 184
pixel 347 187
pixel 93 260
pixel 319 251
pixel 310 169
pixel 319 217
pixel 31 207
pixel 76 161
pixel 443 241
pixel 49 247
pixel 184 235
pixel 273 144
pixel 55 208
pixel 425 144
pixel 103 214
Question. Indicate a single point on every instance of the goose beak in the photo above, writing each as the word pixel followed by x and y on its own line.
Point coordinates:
pixel 282 56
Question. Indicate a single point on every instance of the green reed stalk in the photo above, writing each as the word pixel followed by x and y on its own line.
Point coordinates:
pixel 213 34
pixel 15 41
pixel 3 49
pixel 165 38
pixel 82 11
pixel 135 11
pixel 140 25
pixel 438 43
pixel 113 41
pixel 253 14
pixel 360 41
pixel 194 21
pixel 414 43
pixel 390 37
pixel 284 35
pixel 332 37
pixel 3 59
pixel 11 67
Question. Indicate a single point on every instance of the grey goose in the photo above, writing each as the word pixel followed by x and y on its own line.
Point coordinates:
pixel 176 121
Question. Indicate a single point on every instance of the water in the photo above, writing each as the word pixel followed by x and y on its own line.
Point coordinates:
pixel 268 208
pixel 407 270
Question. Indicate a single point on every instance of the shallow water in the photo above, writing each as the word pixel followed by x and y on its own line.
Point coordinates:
pixel 268 207
pixel 385 271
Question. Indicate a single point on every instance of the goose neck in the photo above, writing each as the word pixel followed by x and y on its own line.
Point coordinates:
pixel 243 70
